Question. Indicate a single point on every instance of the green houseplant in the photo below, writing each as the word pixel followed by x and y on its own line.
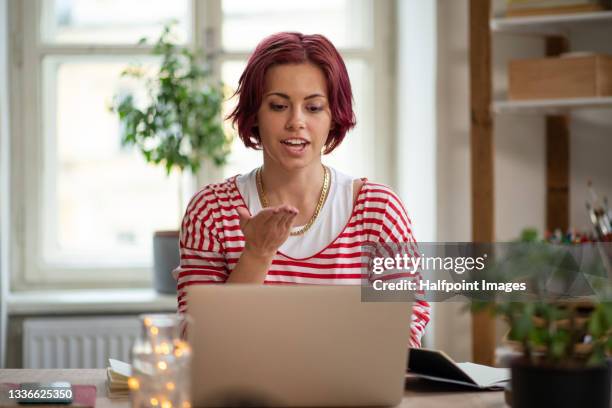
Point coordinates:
pixel 178 128
pixel 563 344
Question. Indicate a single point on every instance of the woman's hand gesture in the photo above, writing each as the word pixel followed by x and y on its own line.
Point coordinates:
pixel 266 231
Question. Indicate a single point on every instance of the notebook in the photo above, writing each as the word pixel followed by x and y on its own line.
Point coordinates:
pixel 117 375
pixel 436 365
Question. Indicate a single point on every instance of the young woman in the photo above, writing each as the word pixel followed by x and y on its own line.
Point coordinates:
pixel 293 220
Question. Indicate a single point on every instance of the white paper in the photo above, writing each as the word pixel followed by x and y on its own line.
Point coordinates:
pixel 485 376
pixel 121 368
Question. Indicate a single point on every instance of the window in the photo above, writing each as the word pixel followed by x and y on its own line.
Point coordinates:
pixel 351 26
pixel 84 207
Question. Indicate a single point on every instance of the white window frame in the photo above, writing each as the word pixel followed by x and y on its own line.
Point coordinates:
pixel 380 58
pixel 27 147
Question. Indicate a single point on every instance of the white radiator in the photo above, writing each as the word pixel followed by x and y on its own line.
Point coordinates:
pixel 78 342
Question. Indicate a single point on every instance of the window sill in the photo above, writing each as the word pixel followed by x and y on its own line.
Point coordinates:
pixel 89 301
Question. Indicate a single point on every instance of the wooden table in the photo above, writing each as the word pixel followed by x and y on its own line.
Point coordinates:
pixel 419 393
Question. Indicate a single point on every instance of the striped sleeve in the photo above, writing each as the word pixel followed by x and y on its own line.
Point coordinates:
pixel 396 231
pixel 202 259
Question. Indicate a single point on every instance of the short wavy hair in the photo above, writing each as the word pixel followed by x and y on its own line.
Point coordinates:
pixel 294 48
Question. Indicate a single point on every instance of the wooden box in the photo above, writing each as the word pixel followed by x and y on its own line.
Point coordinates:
pixel 560 77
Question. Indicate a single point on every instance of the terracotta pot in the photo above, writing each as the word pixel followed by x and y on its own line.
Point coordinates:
pixel 165 259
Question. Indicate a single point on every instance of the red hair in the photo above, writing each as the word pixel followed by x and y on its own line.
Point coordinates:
pixel 294 48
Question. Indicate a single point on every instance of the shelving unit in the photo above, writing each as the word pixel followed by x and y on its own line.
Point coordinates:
pixel 555 30
pixel 551 106
pixel 548 25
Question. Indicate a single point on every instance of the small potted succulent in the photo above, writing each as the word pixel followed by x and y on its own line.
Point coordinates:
pixel 179 127
pixel 564 344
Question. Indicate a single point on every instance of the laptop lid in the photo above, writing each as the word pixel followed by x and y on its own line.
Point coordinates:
pixel 256 345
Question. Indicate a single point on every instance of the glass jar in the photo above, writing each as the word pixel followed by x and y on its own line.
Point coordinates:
pixel 161 364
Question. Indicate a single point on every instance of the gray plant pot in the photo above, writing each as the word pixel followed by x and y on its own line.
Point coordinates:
pixel 165 259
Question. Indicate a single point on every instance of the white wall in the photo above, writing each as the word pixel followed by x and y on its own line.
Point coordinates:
pixel 4 175
pixel 591 134
pixel 416 113
pixel 416 122
pixel 453 325
pixel 519 150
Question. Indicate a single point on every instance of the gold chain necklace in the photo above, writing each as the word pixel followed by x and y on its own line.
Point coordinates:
pixel 322 198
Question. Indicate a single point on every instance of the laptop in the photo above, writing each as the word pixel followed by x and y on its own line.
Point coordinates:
pixel 292 346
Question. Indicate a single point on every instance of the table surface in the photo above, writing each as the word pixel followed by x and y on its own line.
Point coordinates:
pixel 419 393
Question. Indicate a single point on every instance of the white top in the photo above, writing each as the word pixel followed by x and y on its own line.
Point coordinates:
pixel 332 219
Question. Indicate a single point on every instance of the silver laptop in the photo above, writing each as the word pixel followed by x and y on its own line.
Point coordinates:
pixel 295 346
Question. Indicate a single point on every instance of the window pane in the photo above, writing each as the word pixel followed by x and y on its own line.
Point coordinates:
pixel 241 160
pixel 347 23
pixel 111 21
pixel 353 156
pixel 102 202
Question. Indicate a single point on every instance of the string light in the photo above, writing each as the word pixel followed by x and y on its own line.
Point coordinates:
pixel 133 383
pixel 168 352
pixel 163 348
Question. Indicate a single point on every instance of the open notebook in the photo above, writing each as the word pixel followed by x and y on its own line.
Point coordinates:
pixel 435 365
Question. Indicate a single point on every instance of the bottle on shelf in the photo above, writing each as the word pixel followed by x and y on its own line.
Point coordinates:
pixel 600 214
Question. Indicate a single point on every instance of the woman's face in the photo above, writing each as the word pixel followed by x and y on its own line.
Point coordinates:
pixel 294 118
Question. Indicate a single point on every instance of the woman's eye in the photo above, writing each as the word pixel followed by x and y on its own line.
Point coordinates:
pixel 277 107
pixel 314 108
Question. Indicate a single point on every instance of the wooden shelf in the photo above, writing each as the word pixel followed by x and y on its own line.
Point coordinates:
pixel 556 30
pixel 551 106
pixel 550 24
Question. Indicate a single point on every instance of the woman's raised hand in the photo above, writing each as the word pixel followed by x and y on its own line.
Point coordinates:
pixel 266 231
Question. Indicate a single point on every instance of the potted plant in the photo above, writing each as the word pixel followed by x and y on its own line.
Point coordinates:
pixel 563 344
pixel 179 127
